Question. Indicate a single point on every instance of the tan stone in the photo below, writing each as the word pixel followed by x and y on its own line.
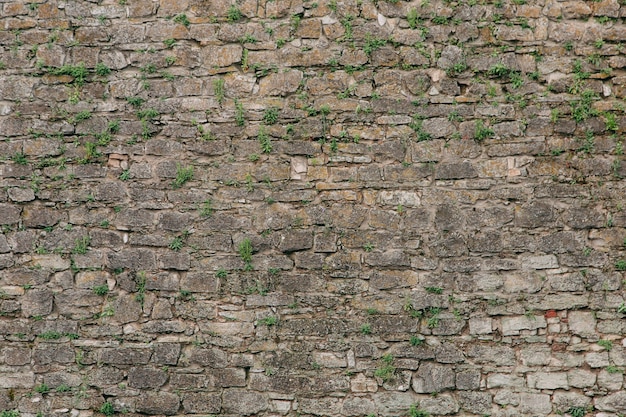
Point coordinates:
pixel 221 56
pixel 281 83
pixel 172 7
pixel 309 28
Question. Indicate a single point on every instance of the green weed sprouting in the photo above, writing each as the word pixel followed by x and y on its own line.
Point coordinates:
pixel 81 245
pixel 239 113
pixel 482 132
pixel 78 72
pixel 386 370
pixel 264 140
pixel 183 174
pixel 234 14
pixel 182 19
pixel 140 281
pixel 270 116
pixel 245 252
pixel 269 321
pixel 218 88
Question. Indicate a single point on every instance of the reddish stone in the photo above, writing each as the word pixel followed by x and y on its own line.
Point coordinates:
pixel 550 314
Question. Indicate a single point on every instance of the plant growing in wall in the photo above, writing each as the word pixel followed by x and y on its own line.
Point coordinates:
pixel 182 19
pixel 414 411
pixel 245 253
pixel 183 175
pixel 264 140
pixel 140 283
pixel 385 370
pixel 482 132
pixel 107 409
pixel 269 321
pixel 233 14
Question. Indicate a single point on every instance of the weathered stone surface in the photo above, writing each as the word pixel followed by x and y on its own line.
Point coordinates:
pixel 146 377
pixel 615 402
pixel 17 380
pixel 545 380
pixel 158 403
pixel 582 322
pixel 134 259
pixel 125 356
pixel 243 402
pixel 513 325
pixel 202 403
pixel 535 403
pixel 475 402
pixel 431 377
pixel 37 302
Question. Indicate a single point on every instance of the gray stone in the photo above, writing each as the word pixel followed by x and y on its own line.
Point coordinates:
pixel 504 380
pixel 21 195
pixel 243 402
pixel 513 325
pixel 468 380
pixel 202 402
pixel 432 377
pixel 296 240
pixel 597 359
pixel 455 171
pixel 158 403
pixel 535 214
pixel 475 402
pixel 17 380
pixel 37 302
pixel 16 356
pixel 497 355
pixel 146 377
pixel 581 378
pixel 547 380
pixel 535 403
pixel 47 353
pixel 615 402
pixel 166 353
pixel 357 406
pixel 441 405
pixel 563 401
pixel 133 259
pixel 450 56
pixel 125 356
pixel 582 323
pixel 610 381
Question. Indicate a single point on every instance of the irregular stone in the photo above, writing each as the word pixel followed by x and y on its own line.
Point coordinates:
pixel 513 325
pixel 432 377
pixel 582 323
pixel 158 403
pixel 146 377
pixel 546 380
pixel 535 403
pixel 201 402
pixel 243 402
pixel 475 402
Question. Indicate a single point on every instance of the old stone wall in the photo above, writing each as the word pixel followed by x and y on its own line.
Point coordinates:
pixel 331 208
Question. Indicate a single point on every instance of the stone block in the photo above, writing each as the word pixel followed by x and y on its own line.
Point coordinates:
pixel 548 380
pixel 243 402
pixel 513 325
pixel 432 377
pixel 201 402
pixel 146 377
pixel 158 403
pixel 582 323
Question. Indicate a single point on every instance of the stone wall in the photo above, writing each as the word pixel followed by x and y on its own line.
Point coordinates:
pixel 332 208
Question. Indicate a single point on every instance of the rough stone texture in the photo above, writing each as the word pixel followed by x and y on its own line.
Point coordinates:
pixel 286 208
